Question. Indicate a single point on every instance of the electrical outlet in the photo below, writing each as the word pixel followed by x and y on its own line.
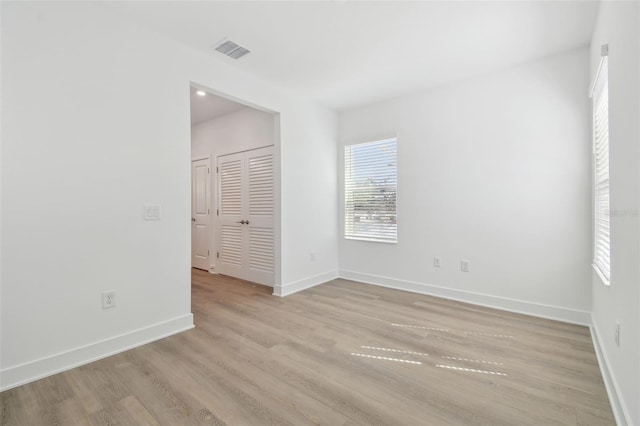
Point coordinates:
pixel 437 261
pixel 464 265
pixel 152 211
pixel 108 299
pixel 617 334
pixel 313 256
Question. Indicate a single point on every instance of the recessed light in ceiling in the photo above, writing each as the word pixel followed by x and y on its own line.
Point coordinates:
pixel 201 93
pixel 231 49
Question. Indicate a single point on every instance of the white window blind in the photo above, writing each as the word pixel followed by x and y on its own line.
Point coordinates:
pixel 370 191
pixel 601 230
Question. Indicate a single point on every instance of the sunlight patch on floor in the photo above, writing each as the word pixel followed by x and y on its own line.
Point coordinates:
pixel 384 358
pixel 471 360
pixel 393 350
pixel 471 370
pixel 419 327
pixel 503 336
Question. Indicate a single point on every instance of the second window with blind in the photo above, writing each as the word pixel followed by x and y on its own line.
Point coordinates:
pixel 371 191
pixel 602 227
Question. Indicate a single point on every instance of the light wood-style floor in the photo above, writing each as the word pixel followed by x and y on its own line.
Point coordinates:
pixel 342 353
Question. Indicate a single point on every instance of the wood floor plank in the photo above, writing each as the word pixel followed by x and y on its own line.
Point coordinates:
pixel 71 412
pixel 137 411
pixel 343 353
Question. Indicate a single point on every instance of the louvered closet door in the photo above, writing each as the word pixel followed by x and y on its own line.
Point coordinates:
pixel 231 241
pixel 246 240
pixel 260 215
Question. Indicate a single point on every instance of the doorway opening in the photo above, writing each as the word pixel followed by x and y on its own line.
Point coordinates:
pixel 235 188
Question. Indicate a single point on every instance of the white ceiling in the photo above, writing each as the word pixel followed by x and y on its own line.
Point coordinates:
pixel 208 107
pixel 349 53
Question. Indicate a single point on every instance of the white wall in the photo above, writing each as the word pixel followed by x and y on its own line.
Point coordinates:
pixel 241 130
pixel 618 26
pixel 494 170
pixel 95 123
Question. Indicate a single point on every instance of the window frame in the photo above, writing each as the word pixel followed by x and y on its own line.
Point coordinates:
pixel 349 232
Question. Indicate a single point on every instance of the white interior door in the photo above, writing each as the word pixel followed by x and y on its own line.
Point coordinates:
pixel 200 214
pixel 260 215
pixel 246 215
pixel 231 244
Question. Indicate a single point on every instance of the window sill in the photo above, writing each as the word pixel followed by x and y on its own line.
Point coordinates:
pixel 372 240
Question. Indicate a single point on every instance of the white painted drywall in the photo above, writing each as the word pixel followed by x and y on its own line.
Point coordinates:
pixel 95 124
pixel 618 26
pixel 494 170
pixel 241 130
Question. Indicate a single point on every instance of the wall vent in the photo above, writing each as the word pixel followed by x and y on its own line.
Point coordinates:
pixel 231 49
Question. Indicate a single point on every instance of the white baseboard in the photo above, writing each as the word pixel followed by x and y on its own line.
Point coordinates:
pixel 287 289
pixel 573 316
pixel 620 411
pixel 17 375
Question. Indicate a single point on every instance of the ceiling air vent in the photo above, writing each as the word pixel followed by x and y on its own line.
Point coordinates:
pixel 231 49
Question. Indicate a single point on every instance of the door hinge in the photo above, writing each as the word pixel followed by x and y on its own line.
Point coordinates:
pixel 217 212
pixel 208 211
pixel 217 170
pixel 218 254
pixel 208 170
pixel 208 252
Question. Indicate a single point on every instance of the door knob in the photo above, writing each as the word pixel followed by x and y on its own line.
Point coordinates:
pixel 193 219
pixel 243 222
